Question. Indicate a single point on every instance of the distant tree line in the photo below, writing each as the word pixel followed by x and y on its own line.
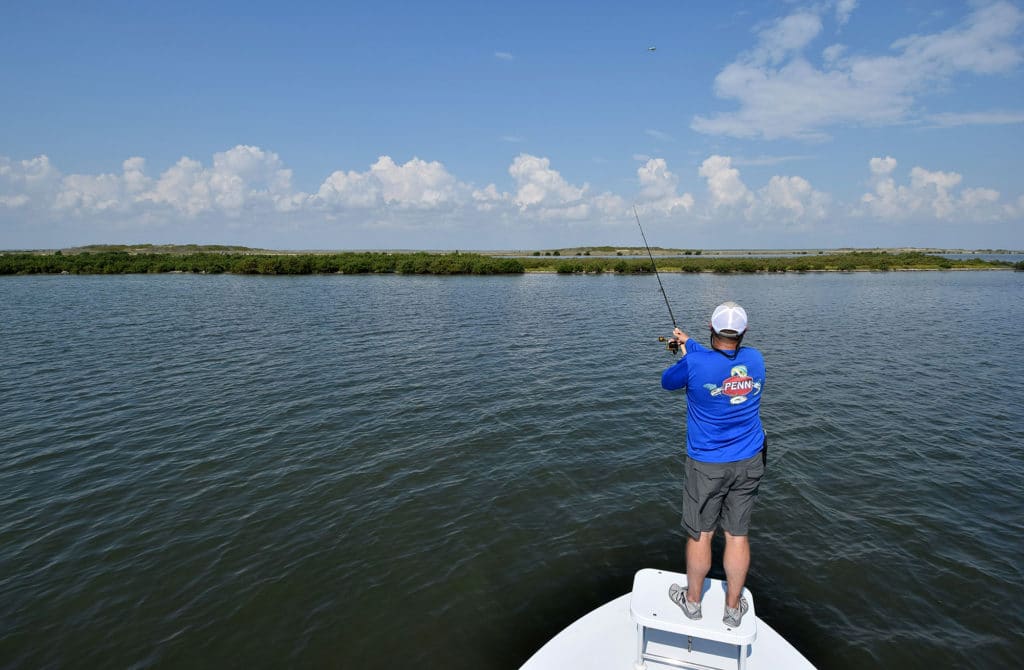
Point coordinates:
pixel 861 260
pixel 119 262
pixel 257 264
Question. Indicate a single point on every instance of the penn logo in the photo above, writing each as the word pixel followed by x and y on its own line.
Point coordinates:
pixel 738 386
pixel 739 383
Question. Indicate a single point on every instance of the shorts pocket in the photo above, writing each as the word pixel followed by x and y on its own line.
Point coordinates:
pixel 755 470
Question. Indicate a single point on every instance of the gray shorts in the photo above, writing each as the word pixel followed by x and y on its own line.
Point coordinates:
pixel 721 493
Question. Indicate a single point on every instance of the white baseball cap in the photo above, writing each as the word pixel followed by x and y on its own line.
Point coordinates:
pixel 729 317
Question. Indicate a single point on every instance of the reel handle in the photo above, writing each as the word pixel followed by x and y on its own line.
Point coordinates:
pixel 673 344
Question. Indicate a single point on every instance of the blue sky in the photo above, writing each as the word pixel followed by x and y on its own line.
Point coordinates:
pixel 513 126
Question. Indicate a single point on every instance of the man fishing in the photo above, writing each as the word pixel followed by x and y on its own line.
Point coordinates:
pixel 726 454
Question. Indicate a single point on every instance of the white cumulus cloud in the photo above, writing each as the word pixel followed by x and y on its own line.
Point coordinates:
pixel 183 187
pixel 489 198
pixel 784 202
pixel 781 94
pixel 538 185
pixel 25 181
pixel 241 178
pixel 724 184
pixel 790 199
pixel 104 192
pixel 658 189
pixel 249 188
pixel 882 166
pixel 415 184
pixel 543 194
pixel 929 195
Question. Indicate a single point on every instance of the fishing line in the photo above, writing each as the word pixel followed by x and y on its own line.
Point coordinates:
pixel 655 266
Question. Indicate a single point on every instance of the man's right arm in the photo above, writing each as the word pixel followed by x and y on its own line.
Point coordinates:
pixel 676 376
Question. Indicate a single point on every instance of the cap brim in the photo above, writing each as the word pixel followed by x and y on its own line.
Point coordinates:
pixel 728 333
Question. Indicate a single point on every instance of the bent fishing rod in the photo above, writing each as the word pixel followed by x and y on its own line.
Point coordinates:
pixel 673 345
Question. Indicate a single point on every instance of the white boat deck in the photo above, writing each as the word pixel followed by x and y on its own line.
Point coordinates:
pixel 606 638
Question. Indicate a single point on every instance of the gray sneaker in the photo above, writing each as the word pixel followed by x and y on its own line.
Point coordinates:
pixel 678 595
pixel 732 616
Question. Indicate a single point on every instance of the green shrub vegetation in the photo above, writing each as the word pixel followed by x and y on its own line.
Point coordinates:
pixel 119 262
pixel 122 262
pixel 860 260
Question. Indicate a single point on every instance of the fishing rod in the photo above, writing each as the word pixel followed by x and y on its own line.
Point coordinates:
pixel 673 345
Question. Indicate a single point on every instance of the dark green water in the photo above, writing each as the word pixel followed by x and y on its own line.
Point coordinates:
pixel 431 472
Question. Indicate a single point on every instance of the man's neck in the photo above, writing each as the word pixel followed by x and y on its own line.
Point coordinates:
pixel 723 344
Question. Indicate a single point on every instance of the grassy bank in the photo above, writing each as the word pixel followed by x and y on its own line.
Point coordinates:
pixel 122 262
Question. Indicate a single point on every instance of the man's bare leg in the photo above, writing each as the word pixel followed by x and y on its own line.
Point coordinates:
pixel 698 564
pixel 736 562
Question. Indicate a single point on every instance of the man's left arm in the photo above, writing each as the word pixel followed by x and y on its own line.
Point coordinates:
pixel 676 376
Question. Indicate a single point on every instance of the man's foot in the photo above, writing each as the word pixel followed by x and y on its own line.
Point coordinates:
pixel 733 616
pixel 678 595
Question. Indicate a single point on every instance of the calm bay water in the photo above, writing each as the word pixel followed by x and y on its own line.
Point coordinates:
pixel 443 472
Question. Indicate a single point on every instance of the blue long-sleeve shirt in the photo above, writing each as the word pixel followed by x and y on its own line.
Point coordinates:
pixel 723 402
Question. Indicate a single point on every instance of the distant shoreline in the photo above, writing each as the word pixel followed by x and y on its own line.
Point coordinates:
pixel 676 271
pixel 423 263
